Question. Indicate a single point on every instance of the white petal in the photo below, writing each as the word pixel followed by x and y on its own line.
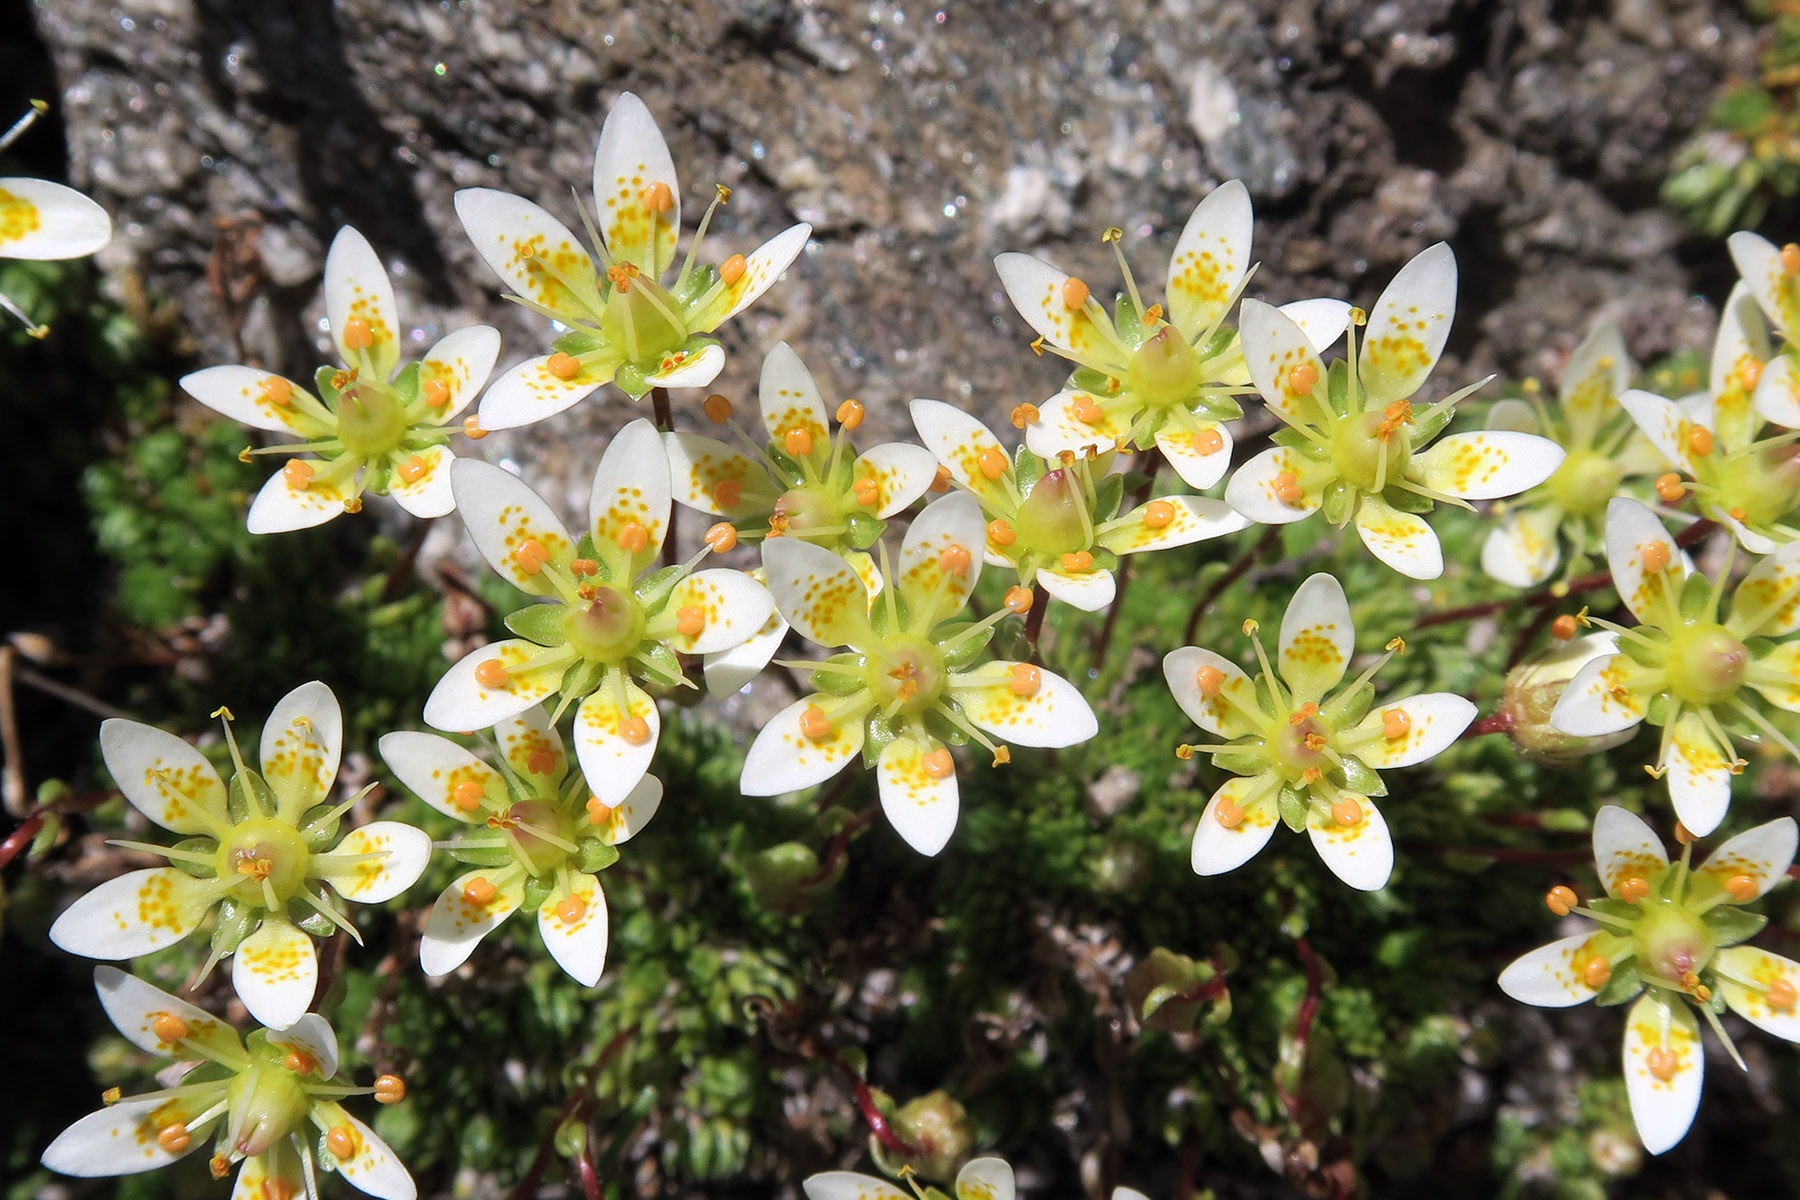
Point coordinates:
pixel 631 157
pixel 1664 422
pixel 531 391
pixel 1777 395
pixel 1053 713
pixel 456 925
pixel 275 1172
pixel 1763 854
pixel 924 579
pixel 1553 976
pixel 133 1007
pixel 1521 551
pixel 1599 700
pixel 578 946
pixel 1125 1193
pixel 1280 356
pixel 1408 326
pixel 280 507
pixel 1362 855
pixel 533 748
pixel 1592 380
pixel 1322 320
pixel 516 238
pixel 1740 347
pixel 1190 519
pixel 1752 1004
pixel 733 607
pixel 1253 491
pixel 1058 428
pixel 461 703
pixel 986 1178
pixel 1662 1108
pixel 1624 846
pixel 1512 414
pixel 784 759
pixel 312 1036
pixel 1218 849
pixel 1433 722
pixel 728 670
pixel 238 393
pixel 1759 262
pixel 357 288
pixel 848 1185
pixel 817 592
pixel 1782 689
pixel 400 851
pixel 120 1139
pixel 761 269
pixel 920 806
pixel 1488 465
pixel 1699 776
pixel 623 821
pixel 631 486
pixel 135 914
pixel 902 474
pixel 1210 259
pixel 679 369
pixel 302 742
pixel 430 494
pixel 1766 602
pixel 1089 591
pixel 372 1166
pixel 462 359
pixel 501 512
pixel 1198 468
pixel 67 224
pixel 699 464
pixel 1216 714
pixel 1317 637
pixel 274 973
pixel 612 762
pixel 789 398
pixel 432 768
pixel 163 777
pixel 1402 540
pixel 962 445
pixel 1036 290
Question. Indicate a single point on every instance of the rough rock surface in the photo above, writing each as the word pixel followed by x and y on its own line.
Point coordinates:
pixel 920 141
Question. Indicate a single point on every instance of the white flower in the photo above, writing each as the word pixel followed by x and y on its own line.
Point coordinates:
pixel 43 220
pixel 979 1179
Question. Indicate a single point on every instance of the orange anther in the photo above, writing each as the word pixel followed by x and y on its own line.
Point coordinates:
pixel 717 408
pixel 1699 441
pixel 727 493
pixel 1026 680
pixel 1563 628
pixel 1790 259
pixel 658 198
pixel 174 1138
pixel 1656 556
pixel 941 481
pixel 1086 411
pixel 1684 835
pixel 1001 534
pixel 1019 599
pixel 1780 994
pixel 492 673
pixel 1597 971
pixel 1079 561
pixel 1669 488
pixel 850 414
pixel 219 1165
pixel 1074 293
pixel 797 442
pixel 1184 752
pixel 955 559
pixel 1303 379
pixel 722 537
pixel 620 276
pixel 1395 723
pixel 732 270
pixel 1158 513
pixel 353 505
pixel 389 1089
pixel 1347 812
pixel 598 813
pixel 467 795
pixel 937 763
pixel 690 619
pixel 1743 888
pixel 541 760
pixel 531 555
pixel 169 1028
pixel 1209 680
pixel 1023 415
pixel 1151 316
pixel 635 730
pixel 1228 814
pixel 1303 714
pixel 299 1063
pixel 581 568
pixel 814 723
pixel 479 892
pixel 991 462
pixel 1288 489
pixel 112 1095
pixel 342 1142
pixel 1736 513
pixel 1634 889
pixel 633 538
pixel 1662 1063
pixel 1208 441
pixel 1561 900
pixel 437 393
pixel 472 428
pixel 571 910
pixel 1002 755
pixel 867 491
pixel 298 474
pixel 357 334
pixel 277 391
pixel 563 366
pixel 413 469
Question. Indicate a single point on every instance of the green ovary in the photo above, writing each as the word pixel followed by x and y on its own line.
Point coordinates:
pixel 1288 750
pixel 1053 519
pixel 637 319
pixel 541 856
pixel 1585 483
pixel 608 628
pixel 809 513
pixel 267 1103
pixel 265 850
pixel 371 421
pixel 911 672
pixel 1706 664
pixel 1357 447
pixel 1165 372
pixel 1672 942
pixel 1763 486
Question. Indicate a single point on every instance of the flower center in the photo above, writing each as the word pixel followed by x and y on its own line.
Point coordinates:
pixel 371 421
pixel 1763 486
pixel 608 629
pixel 1165 371
pixel 808 512
pixel 265 851
pixel 1706 664
pixel 267 1102
pixel 913 675
pixel 1585 483
pixel 641 316
pixel 1370 450
pixel 532 824
pixel 1672 942
pixel 1299 747
pixel 1053 518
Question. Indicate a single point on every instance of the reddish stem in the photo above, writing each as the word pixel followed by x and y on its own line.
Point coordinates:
pixel 840 846
pixel 18 839
pixel 1034 620
pixel 1231 576
pixel 1499 722
pixel 576 1106
pixel 1304 1017
pixel 878 1124
pixel 584 1167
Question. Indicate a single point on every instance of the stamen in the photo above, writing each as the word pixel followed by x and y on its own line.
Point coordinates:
pixel 1208 441
pixel 111 1096
pixel 1634 889
pixel 1656 556
pixel 169 1028
pixel 633 538
pixel 1561 900
pixel 727 493
pixel 1303 378
pixel 389 1089
pixel 814 723
pixel 1077 562
pixel 298 474
pixel 358 335
pixel 1780 994
pixel 219 1165
pixel 1669 488
pixel 732 270
pixel 492 674
pixel 1074 293
pixel 723 536
pixel 1346 812
pixel 658 198
pixel 467 795
pixel 571 910
pixel 1158 514
pixel 938 764
pixel 278 391
pixel 1563 628
pixel 174 1138
pixel 1025 414
pixel 798 442
pixel 1001 534
pixel 1597 971
pixel 1228 814
pixel 1303 714
pixel 1026 680
pixel 1184 752
pixel 634 730
pixel 690 619
pixel 867 491
pixel 718 409
pixel 1790 259
pixel 343 1143
pixel 437 393
pixel 1288 489
pixel 1742 888
pixel 620 276
pixel 299 1063
pixel 563 366
pixel 1152 315
pixel 1002 755
pixel 472 428
pixel 1086 411
pixel 413 469
pixel 1019 599
pixel 991 462
pixel 479 892
pixel 1699 441
pixel 941 481
pixel 531 556
pixel 850 414
pixel 1662 1063
pixel 1395 724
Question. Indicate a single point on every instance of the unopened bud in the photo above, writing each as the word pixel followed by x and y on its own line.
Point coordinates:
pixel 1532 690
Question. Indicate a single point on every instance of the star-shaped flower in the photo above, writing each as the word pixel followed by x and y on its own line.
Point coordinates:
pixel 1668 935
pixel 979 1179
pixel 258 1094
pixel 622 325
pixel 41 220
pixel 1147 377
pixel 1057 523
pixel 1353 446
pixel 1688 667
pixel 1773 277
pixel 1304 750
pixel 539 841
pixel 910 678
pixel 254 850
pixel 610 618
pixel 374 426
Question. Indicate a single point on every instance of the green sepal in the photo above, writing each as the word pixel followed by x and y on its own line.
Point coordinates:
pixel 1359 776
pixel 1104 559
pixel 1219 343
pixel 939 724
pixel 1612 906
pixel 594 855
pixel 378 475
pixel 581 679
pixel 653 590
pixel 1108 494
pixel 201 845
pixel 1028 468
pixel 536 892
pixel 1335 501
pixel 1696 591
pixel 235 921
pixel 1240 763
pixel 1348 707
pixel 786 465
pixel 961 656
pixel 481 856
pixel 1404 501
pixel 659 660
pixel 539 623
pixel 1293 439
pixel 698 284
pixel 1337 386
pixel 585 548
pixel 1732 925
pixel 1626 982
pixel 1086 379
pixel 1657 711
pixel 406 383
pixel 316 923
pixel 633 380
pixel 1128 324
pixel 317 827
pixel 835 683
pixel 249 797
pixel 1292 806
pixel 862 530
pixel 1644 656
pixel 322 384
pixel 1428 427
pixel 877 734
pixel 577 342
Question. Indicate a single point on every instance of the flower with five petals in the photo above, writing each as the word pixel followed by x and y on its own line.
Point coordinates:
pixel 979 1179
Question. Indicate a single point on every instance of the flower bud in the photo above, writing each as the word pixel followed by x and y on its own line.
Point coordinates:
pixel 1532 690
pixel 785 879
pixel 1158 985
pixel 266 1104
pixel 1052 518
pixel 939 1131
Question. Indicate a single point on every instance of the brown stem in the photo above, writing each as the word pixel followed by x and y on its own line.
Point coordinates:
pixel 403 566
pixel 577 1106
pixel 19 838
pixel 664 417
pixel 1112 615
pixel 1232 574
pixel 878 1124
pixel 1034 620
pixel 840 845
pixel 1498 722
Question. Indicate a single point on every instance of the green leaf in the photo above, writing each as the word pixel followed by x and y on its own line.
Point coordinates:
pixel 540 623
